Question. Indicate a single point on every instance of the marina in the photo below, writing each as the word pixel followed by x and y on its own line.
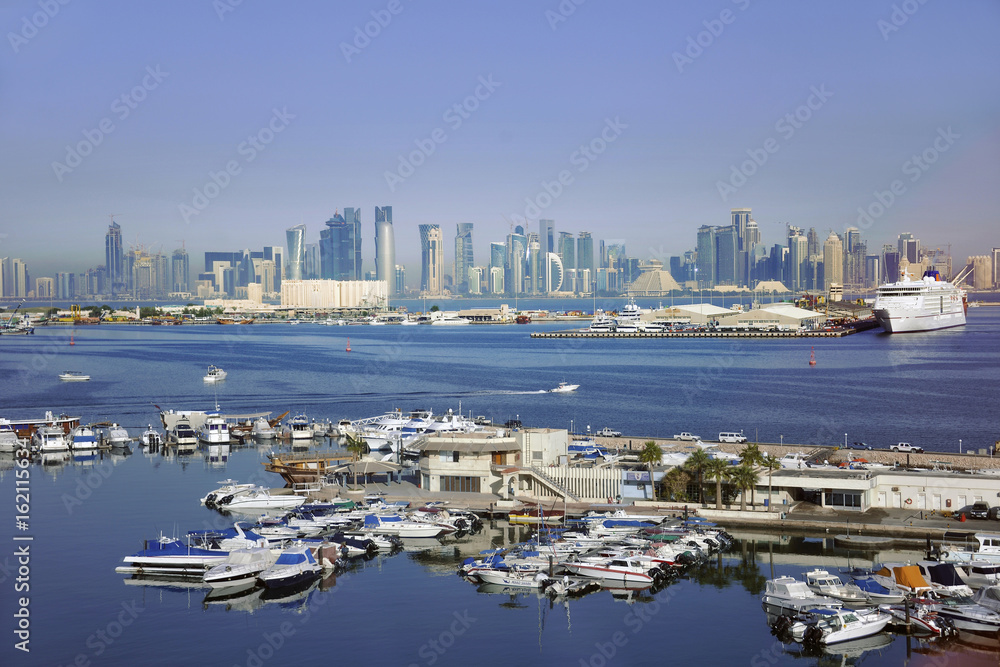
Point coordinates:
pixel 155 489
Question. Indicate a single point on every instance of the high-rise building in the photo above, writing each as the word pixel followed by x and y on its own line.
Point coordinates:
pixel 812 243
pixel 496 280
pixel 431 259
pixel 982 274
pixel 20 277
pixel 909 248
pixel 740 220
pixel 498 255
pixel 727 255
pixel 385 248
pixel 464 259
pixel 547 235
pixel 567 250
pixel 996 267
pixel 585 256
pixel 180 271
pixel 872 270
pixel 296 246
pixel 65 285
pixel 44 288
pixel 113 258
pixel 400 280
pixel 6 278
pixel 474 280
pixel 536 265
pixel 833 261
pixel 890 264
pixel 798 247
pixel 706 264
pixel 336 249
pixel 553 272
pixel 517 256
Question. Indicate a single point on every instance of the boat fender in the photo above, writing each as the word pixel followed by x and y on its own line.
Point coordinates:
pixel 909 501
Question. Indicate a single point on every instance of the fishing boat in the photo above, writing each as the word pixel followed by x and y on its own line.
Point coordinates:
pixel 295 565
pixel 215 374
pixel 73 376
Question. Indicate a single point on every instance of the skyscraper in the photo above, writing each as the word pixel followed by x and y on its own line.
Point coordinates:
pixel 547 235
pixel 536 267
pixel 909 248
pixel 180 271
pixel 432 259
pixel 727 255
pixel 296 245
pixel 517 254
pixel 996 266
pixel 833 261
pixel 706 264
pixel 740 219
pixel 400 279
pixel 19 277
pixel 498 255
pixel 464 259
pixel 553 272
pixel 113 258
pixel 340 247
pixel 585 259
pixel 567 250
pixel 385 248
pixel 812 243
pixel 798 249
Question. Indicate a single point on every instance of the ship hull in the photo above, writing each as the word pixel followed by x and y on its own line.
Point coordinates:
pixel 914 323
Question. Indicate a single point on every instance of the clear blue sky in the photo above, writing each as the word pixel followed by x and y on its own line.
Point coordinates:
pixel 221 78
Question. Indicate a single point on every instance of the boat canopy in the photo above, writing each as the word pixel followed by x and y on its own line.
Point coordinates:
pixel 295 557
pixel 945 575
pixel 869 585
pixel 906 575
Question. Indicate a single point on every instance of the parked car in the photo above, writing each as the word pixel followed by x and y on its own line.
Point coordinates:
pixel 609 433
pixel 979 510
pixel 859 445
pixel 906 447
pixel 686 436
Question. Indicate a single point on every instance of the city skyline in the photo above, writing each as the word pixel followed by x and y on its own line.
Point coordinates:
pixel 813 116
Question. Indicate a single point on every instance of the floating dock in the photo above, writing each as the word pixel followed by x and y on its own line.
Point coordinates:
pixel 836 333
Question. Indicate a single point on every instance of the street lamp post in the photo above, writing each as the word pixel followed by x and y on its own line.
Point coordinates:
pixel 959 445
pixel 782 439
pixel 845 441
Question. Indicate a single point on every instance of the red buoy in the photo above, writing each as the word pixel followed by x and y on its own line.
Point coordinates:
pixel 71 340
pixel 348 344
pixel 812 357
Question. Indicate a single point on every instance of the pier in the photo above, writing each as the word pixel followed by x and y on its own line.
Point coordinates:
pixel 834 333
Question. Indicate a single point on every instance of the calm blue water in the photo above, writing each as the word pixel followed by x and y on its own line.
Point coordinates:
pixel 929 389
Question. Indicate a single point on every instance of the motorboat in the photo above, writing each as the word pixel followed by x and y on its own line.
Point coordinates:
pixel 602 323
pixel 979 573
pixel 512 577
pixel 150 437
pixel 117 436
pixel 969 616
pixel 987 548
pixel 9 442
pixel 168 555
pixel 214 431
pixel 824 583
pixel 921 617
pixel 831 626
pixel 215 374
pixel 563 388
pixel 295 565
pixel 83 438
pixel 241 568
pixel 73 376
pixel 183 436
pixel 880 590
pixel 262 430
pixel 257 498
pixel 945 579
pixel 228 487
pixel 449 319
pixel 623 569
pixel 393 524
pixel 49 439
pixel 787 596
pixel 298 428
pixel 794 461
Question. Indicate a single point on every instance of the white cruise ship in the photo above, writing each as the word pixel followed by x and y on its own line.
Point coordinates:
pixel 919 305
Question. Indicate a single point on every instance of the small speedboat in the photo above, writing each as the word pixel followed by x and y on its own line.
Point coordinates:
pixel 830 626
pixel 169 555
pixel 787 596
pixel 824 583
pixel 258 498
pixel 564 388
pixel 227 487
pixel 83 438
pixel 215 374
pixel 262 430
pixel 9 442
pixel 117 436
pixel 47 439
pixel 511 577
pixel 241 568
pixel 151 437
pixel 73 376
pixel 295 565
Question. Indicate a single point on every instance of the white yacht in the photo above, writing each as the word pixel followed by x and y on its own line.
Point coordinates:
pixel 117 436
pixel 49 439
pixel 919 305
pixel 786 596
pixel 297 428
pixel 794 461
pixel 262 430
pixel 9 442
pixel 82 438
pixel 182 435
pixel 602 322
pixel 73 376
pixel 630 314
pixel 449 319
pixel 215 431
pixel 215 374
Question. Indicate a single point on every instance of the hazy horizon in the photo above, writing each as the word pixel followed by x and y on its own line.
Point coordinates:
pixel 822 107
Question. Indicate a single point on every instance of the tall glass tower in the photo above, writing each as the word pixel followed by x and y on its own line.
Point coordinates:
pixel 296 244
pixel 431 259
pixel 385 248
pixel 114 259
pixel 464 259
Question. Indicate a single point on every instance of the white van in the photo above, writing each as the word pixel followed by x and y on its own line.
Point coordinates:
pixel 732 437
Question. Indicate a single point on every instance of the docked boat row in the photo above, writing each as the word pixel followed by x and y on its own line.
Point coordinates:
pixel 49 438
pixel 397 432
pixel 599 551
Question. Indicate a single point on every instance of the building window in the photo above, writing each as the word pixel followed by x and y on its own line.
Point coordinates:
pixel 845 499
pixel 461 484
pixel 454 457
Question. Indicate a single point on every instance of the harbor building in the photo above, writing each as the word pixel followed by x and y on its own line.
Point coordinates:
pixel 334 293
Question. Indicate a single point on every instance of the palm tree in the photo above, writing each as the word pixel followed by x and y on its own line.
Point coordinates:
pixel 745 478
pixel 718 470
pixel 752 456
pixel 771 463
pixel 697 462
pixel 651 453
